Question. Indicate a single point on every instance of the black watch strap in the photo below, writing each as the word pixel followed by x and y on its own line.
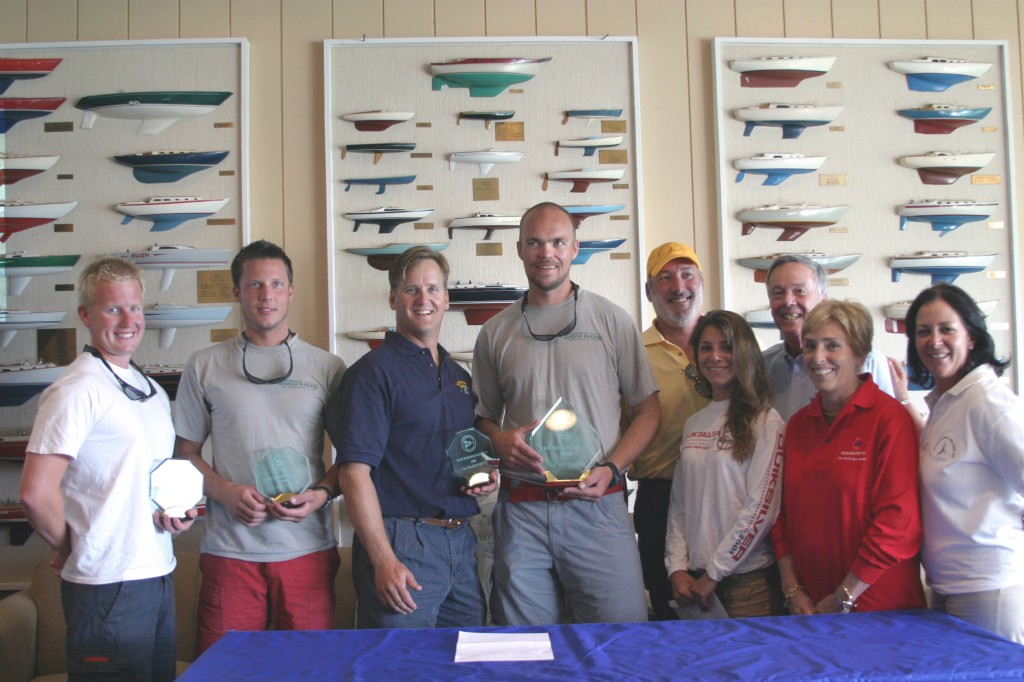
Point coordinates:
pixel 327 490
pixel 616 474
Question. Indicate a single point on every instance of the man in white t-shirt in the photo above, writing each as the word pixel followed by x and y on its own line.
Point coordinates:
pixel 99 430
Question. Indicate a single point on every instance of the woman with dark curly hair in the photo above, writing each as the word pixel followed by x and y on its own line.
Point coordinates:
pixel 725 493
pixel 849 531
pixel 972 464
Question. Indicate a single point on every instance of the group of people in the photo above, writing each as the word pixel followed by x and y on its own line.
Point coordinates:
pixel 788 479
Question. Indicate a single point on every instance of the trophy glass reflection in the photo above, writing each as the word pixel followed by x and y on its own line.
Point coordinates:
pixel 175 486
pixel 281 473
pixel 568 444
pixel 470 454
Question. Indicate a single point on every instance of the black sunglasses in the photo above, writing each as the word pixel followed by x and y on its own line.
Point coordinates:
pixel 276 380
pixel 130 391
pixel 567 329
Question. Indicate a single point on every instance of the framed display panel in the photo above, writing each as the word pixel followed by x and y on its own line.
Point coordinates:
pixel 201 107
pixel 395 76
pixel 867 199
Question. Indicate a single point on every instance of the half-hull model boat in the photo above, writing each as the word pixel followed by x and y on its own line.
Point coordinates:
pixel 173 257
pixel 792 219
pixel 590 145
pixel 945 168
pixel 481 302
pixel 793 119
pixel 779 72
pixel 168 376
pixel 484 76
pixel 169 318
pixel 382 183
pixel 16 216
pixel 486 116
pixel 373 337
pixel 580 212
pixel 760 318
pixel 19 268
pixel 942 119
pixel 13 110
pixel 387 218
pixel 945 215
pixel 13 321
pixel 168 166
pixel 937 74
pixel 777 168
pixel 19 383
pixel 582 177
pixel 830 263
pixel 484 159
pixel 157 110
pixel 17 69
pixel 590 114
pixel 383 257
pixel 167 213
pixel 589 247
pixel 896 314
pixel 15 167
pixel 483 221
pixel 378 149
pixel 943 266
pixel 377 120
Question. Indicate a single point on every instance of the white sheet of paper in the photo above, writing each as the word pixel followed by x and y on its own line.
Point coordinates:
pixel 694 612
pixel 503 646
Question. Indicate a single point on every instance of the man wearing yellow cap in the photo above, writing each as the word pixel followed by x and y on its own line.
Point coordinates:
pixel 675 287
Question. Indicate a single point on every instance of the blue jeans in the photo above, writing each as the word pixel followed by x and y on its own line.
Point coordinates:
pixel 443 563
pixel 120 631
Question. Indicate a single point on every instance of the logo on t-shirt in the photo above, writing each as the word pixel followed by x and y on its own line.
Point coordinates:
pixel 944 449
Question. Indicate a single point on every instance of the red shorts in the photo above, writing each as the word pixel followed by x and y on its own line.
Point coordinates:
pixel 297 594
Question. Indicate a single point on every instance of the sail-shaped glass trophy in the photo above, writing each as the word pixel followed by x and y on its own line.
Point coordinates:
pixel 569 445
pixel 175 486
pixel 471 455
pixel 281 473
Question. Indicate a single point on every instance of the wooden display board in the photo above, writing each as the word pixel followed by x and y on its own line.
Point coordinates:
pixel 394 75
pixel 863 147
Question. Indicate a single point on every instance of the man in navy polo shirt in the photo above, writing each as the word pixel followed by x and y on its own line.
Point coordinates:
pixel 414 554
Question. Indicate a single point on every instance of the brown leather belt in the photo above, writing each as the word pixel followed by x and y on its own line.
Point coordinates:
pixel 521 491
pixel 447 524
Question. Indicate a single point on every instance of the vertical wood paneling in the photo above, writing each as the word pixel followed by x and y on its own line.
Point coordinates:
pixel 408 18
pixel 761 18
pixel 561 17
pixel 260 22
pixel 358 18
pixel 459 17
pixel 205 18
pixel 52 20
pixel 701 27
pixel 949 19
pixel 901 19
pixel 611 17
pixel 304 27
pixel 855 19
pixel 102 19
pixel 807 18
pixel 511 17
pixel 152 19
pixel 13 21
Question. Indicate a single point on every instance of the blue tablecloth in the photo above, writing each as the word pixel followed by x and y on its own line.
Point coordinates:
pixel 911 645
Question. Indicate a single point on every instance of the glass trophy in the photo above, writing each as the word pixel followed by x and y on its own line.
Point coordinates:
pixel 281 473
pixel 175 486
pixel 569 445
pixel 470 454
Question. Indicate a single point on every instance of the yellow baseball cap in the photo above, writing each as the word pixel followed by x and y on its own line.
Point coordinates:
pixel 668 252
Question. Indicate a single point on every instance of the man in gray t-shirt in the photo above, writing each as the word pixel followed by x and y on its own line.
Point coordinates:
pixel 569 554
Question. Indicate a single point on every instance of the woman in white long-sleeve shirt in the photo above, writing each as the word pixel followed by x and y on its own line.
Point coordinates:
pixel 726 491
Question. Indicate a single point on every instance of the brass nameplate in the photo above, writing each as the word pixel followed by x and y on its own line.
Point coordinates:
pixel 425 188
pixel 423 226
pixel 58 127
pixel 986 179
pixel 63 287
pixel 63 227
pixel 996 274
pixel 837 129
pixel 423 124
pixel 619 216
pixel 620 255
pixel 515 91
pixel 832 180
pixel 226 173
pixel 224 124
pixel 613 126
pixel 986 86
pixel 65 176
pixel 56 345
pixel 218 335
pixel 620 185
pixel 838 229
pixel 834 85
pixel 839 281
pixel 421 155
pixel 488 248
pixel 220 221
pixel 509 131
pixel 616 156
pixel 486 189
pixel 214 286
pixel 989 129
pixel 996 225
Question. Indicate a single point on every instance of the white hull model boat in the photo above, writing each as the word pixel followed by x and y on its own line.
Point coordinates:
pixel 373 337
pixel 943 266
pixel 486 159
pixel 777 167
pixel 170 258
pixel 16 216
pixel 15 167
pixel 484 221
pixel 18 383
pixel 387 218
pixel 156 110
pixel 169 212
pixel 760 318
pixel 945 215
pixel 590 145
pixel 168 318
pixel 13 321
pixel 793 119
pixel 382 257
pixel 945 168
pixel 377 120
pixel 792 219
pixel 831 263
pixel 582 177
pixel 936 74
pixel 896 314
pixel 779 72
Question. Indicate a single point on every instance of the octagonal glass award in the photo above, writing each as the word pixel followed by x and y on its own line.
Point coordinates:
pixel 470 454
pixel 569 445
pixel 175 486
pixel 281 473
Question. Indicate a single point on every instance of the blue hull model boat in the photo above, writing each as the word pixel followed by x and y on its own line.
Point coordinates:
pixel 170 166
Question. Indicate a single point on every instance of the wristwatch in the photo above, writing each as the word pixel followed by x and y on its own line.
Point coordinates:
pixel 616 474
